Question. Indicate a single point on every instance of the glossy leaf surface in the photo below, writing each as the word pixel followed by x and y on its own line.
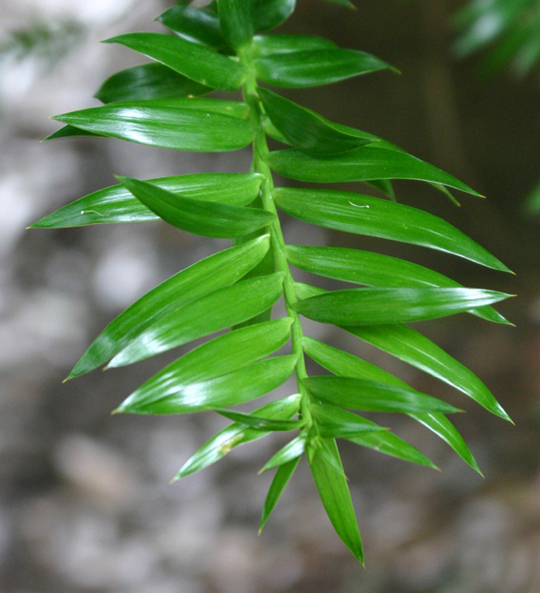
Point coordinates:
pixel 259 423
pixel 372 269
pixel 365 215
pixel 305 129
pixel 243 385
pixel 237 434
pixel 209 219
pixel 289 452
pixel 336 498
pixel 236 19
pixel 335 422
pixel 372 396
pixel 195 61
pixel 208 314
pixel 279 483
pixel 146 82
pixel 179 128
pixel 214 272
pixel 117 204
pixel 377 306
pixel 363 164
pixel 227 353
pixel 267 45
pixel 269 14
pixel 193 24
pixel 315 67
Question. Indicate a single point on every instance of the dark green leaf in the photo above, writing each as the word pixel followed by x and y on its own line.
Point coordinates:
pixel 117 204
pixel 243 385
pixel 372 396
pixel 267 45
pixel 336 498
pixel 220 356
pixel 237 434
pixel 212 273
pixel 269 14
pixel 258 422
pixel 334 422
pixel 209 219
pixel 182 127
pixel 149 81
pixel 70 132
pixel 363 164
pixel 195 25
pixel 236 19
pixel 190 59
pixel 365 215
pixel 207 315
pixel 315 67
pixel 346 3
pixel 279 483
pixel 305 129
pixel 377 306
pixel 373 269
pixel 290 451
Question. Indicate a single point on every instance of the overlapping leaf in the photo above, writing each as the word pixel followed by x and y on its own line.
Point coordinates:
pixel 279 483
pixel 289 452
pixel 193 24
pixel 236 20
pixel 267 45
pixel 269 14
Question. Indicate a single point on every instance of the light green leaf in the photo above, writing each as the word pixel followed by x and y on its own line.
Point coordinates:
pixel 181 127
pixel 279 483
pixel 238 434
pixel 305 129
pixel 363 164
pixel 267 45
pixel 207 315
pixel 195 61
pixel 214 272
pixel 335 496
pixel 377 306
pixel 236 19
pixel 334 422
pixel 209 219
pixel 373 269
pixel 365 215
pixel 149 81
pixel 116 204
pixel 220 356
pixel 259 423
pixel 269 14
pixel 372 396
pixel 242 385
pixel 289 452
pixel 315 67
pixel 192 24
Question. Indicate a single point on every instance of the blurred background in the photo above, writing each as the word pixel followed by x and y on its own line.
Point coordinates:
pixel 85 500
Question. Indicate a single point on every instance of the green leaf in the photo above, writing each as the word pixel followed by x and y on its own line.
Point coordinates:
pixel 180 127
pixel 70 132
pixel 305 129
pixel 269 14
pixel 289 452
pixel 334 422
pixel 346 3
pixel 220 356
pixel 237 434
pixel 207 315
pixel 149 81
pixel 363 164
pixel 267 45
pixel 346 365
pixel 192 24
pixel 377 306
pixel 242 385
pixel 195 61
pixel 373 269
pixel 365 215
pixel 335 496
pixel 209 219
pixel 279 483
pixel 372 396
pixel 116 204
pixel 390 444
pixel 415 349
pixel 214 272
pixel 315 67
pixel 257 422
pixel 236 19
